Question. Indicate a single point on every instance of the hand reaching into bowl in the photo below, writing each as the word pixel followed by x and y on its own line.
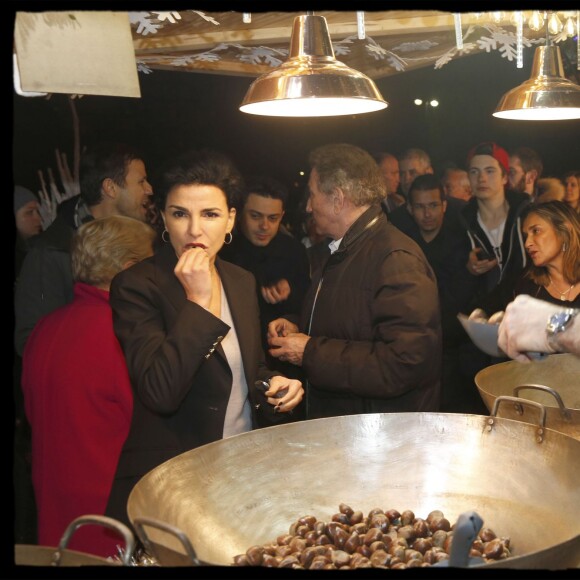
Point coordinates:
pixel 523 329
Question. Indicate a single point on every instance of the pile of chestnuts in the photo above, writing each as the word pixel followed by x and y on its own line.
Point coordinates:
pixel 382 539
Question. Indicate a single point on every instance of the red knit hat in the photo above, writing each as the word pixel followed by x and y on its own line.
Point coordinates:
pixel 492 149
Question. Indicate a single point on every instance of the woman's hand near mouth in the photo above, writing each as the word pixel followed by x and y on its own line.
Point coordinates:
pixel 193 270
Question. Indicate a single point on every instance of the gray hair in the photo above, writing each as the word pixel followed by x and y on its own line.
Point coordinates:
pixel 350 169
pixel 419 154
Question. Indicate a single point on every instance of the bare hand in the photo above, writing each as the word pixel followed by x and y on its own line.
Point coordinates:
pixel 281 327
pixel 478 267
pixel 289 348
pixel 292 389
pixel 523 328
pixel 277 292
pixel 193 270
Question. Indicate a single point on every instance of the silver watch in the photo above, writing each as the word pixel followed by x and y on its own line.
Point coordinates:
pixel 560 321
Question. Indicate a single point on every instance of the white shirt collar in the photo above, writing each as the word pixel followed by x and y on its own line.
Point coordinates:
pixel 333 246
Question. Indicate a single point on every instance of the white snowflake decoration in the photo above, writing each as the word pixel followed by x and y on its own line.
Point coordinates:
pixel 260 54
pixel 142 67
pixel 171 17
pixel 497 38
pixel 560 37
pixel 414 46
pixel 377 51
pixel 143 22
pixel 206 17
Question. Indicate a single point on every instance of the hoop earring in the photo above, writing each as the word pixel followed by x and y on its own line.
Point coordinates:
pixel 226 241
pixel 564 247
pixel 163 236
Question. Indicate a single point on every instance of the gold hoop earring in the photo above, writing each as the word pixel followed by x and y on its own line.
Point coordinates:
pixel 226 241
pixel 163 236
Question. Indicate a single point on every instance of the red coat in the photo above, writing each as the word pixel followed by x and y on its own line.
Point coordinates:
pixel 79 403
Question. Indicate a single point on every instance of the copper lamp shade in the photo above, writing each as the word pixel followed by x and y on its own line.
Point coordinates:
pixel 312 83
pixel 547 96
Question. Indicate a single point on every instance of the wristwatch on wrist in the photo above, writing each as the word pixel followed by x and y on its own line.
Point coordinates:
pixel 560 321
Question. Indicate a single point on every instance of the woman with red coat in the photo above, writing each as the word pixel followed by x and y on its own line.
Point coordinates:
pixel 76 387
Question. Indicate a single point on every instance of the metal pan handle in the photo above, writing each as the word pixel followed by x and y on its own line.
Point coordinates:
pixel 105 521
pixel 518 403
pixel 140 523
pixel 564 411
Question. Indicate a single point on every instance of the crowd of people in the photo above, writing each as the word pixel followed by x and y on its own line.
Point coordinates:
pixel 195 311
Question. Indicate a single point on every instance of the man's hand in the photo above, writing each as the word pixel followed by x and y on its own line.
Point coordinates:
pixel 277 292
pixel 281 327
pixel 523 328
pixel 289 348
pixel 477 266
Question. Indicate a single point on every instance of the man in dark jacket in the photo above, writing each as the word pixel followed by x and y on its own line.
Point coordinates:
pixel 113 181
pixel 445 248
pixel 277 260
pixel 369 338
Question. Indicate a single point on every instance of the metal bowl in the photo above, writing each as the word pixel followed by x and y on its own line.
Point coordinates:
pixel 248 489
pixel 554 382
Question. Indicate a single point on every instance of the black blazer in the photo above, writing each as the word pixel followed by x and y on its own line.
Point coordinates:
pixel 180 376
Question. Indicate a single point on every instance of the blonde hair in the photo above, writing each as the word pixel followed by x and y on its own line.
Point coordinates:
pixel 101 248
pixel 549 189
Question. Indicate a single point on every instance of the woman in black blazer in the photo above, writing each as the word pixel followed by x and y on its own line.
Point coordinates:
pixel 188 324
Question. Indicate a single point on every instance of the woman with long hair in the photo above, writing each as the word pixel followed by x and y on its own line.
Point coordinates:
pixel 552 241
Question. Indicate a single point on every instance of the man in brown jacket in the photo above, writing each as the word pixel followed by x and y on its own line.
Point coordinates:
pixel 369 337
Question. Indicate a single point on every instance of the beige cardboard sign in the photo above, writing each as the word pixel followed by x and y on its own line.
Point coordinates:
pixel 79 53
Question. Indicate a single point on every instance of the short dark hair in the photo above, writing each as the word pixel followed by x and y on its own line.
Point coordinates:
pixel 104 161
pixel 572 173
pixel 200 167
pixel 529 159
pixel 426 183
pixel 380 156
pixel 265 186
pixel 493 150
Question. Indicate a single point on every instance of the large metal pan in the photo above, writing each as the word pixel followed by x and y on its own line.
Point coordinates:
pixel 522 479
pixel 554 382
pixel 32 555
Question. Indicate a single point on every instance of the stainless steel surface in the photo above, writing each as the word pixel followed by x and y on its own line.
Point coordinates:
pixel 558 372
pixel 32 555
pixel 311 82
pixel 546 95
pixel 248 489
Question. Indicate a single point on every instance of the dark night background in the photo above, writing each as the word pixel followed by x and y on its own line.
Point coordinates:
pixel 179 110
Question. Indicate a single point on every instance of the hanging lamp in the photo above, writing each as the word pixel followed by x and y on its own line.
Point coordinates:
pixel 547 95
pixel 312 83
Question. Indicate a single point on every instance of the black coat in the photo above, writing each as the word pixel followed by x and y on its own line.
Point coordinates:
pixel 512 245
pixel 284 257
pixel 179 372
